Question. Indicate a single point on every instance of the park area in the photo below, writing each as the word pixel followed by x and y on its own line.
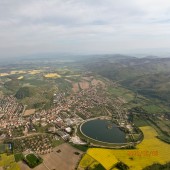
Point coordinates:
pixel 151 150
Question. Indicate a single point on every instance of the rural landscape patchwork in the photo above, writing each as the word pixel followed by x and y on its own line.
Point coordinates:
pixel 84 84
pixel 110 113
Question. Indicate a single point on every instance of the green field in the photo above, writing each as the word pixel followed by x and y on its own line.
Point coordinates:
pixel 121 92
pixel 18 157
pixel 57 143
pixel 138 121
pixel 33 160
pixel 153 109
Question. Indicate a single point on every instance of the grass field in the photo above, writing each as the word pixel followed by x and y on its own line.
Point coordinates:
pixel 18 157
pixel 150 150
pixel 153 109
pixel 33 160
pixel 122 92
pixel 8 162
pixel 139 121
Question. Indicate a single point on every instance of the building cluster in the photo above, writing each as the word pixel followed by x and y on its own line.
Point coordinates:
pixel 10 112
pixel 10 108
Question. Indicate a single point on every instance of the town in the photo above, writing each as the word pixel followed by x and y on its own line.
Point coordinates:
pixel 69 110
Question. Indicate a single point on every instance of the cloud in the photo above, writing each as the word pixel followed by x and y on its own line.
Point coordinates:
pixel 88 25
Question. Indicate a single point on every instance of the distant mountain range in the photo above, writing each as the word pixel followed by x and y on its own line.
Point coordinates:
pixel 149 76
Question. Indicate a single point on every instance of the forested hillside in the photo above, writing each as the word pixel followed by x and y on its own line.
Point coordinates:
pixel 147 76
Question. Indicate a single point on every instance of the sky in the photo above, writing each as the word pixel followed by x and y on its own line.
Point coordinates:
pixel 83 26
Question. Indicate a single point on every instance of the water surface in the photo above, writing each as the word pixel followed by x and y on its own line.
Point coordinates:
pixel 104 131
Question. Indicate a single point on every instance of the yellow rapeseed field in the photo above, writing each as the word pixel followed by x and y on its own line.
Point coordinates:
pixel 73 75
pixel 3 74
pixel 150 150
pixel 52 75
pixel 86 161
pixel 17 72
pixel 34 72
pixel 21 77
pixel 104 156
pixel 8 161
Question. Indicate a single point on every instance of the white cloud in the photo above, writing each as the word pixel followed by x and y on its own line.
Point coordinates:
pixel 87 25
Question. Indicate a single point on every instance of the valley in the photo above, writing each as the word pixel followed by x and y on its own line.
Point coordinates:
pixel 43 106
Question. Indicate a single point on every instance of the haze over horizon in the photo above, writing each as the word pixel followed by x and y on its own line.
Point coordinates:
pixel 84 27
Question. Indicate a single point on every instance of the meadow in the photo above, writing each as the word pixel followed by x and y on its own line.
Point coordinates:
pixel 120 91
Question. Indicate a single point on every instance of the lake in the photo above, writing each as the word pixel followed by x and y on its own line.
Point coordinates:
pixel 104 131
